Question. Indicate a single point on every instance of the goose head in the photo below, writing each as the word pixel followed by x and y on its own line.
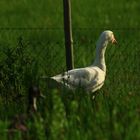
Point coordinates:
pixel 107 37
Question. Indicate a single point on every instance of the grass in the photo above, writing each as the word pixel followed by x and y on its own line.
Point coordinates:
pixel 26 55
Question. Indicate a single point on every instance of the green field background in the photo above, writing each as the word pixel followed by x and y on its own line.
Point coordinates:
pixel 115 112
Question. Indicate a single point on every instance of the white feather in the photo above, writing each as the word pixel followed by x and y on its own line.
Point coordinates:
pixel 89 78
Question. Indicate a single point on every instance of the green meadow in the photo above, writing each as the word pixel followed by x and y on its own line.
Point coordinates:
pixel 32 45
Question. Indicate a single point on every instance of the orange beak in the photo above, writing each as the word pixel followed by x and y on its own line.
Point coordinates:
pixel 114 40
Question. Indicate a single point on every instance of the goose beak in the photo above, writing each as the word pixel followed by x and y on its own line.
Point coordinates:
pixel 114 41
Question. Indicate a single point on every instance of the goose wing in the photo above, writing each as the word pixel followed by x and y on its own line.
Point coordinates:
pixel 86 78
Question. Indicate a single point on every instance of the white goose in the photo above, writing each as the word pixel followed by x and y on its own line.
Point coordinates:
pixel 90 78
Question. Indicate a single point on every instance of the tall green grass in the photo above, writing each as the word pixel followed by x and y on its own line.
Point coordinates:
pixel 27 54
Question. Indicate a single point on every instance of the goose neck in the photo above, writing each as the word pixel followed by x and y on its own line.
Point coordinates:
pixel 100 55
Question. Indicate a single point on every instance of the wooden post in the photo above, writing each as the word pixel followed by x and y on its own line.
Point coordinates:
pixel 68 34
